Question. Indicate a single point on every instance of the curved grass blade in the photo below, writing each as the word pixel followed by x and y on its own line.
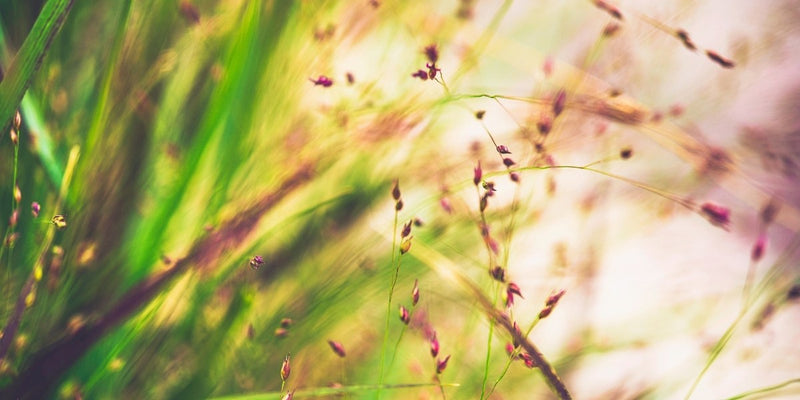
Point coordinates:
pixel 30 56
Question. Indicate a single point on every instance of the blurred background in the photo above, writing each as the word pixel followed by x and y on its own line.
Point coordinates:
pixel 181 139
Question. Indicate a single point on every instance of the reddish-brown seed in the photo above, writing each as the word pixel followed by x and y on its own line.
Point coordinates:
pixel 498 273
pixel 684 37
pixel 442 364
pixel 758 248
pixel 722 61
pixel 337 348
pixel 286 368
pixel 503 149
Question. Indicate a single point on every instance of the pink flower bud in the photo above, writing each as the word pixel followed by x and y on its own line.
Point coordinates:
pixel 558 104
pixel 337 348
pixel 35 208
pixel 554 298
pixel 286 368
pixel 404 315
pixel 478 174
pixel 415 294
pixel 323 81
pixel 406 229
pixel 758 248
pixel 421 74
pixel 442 364
pixel 432 53
pixel 716 214
pixel 256 262
pixel 502 149
pixel 396 191
pixel 434 345
pixel 508 162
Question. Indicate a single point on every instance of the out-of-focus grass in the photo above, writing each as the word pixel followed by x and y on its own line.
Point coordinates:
pixel 203 143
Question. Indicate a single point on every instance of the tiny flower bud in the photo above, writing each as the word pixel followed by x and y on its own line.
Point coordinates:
pixel 286 322
pixel 256 262
pixel 323 81
pixel 35 208
pixel 396 190
pixel 484 202
pixel 432 70
pixel 281 332
pixel 480 113
pixel 611 29
pixel 554 298
pixel 684 37
pixel 509 349
pixel 477 175
pixel 445 203
pixel 508 162
pixel 502 149
pixel 17 120
pixel 434 345
pixel 545 312
pixel 511 290
pixel 498 273
pixel 514 177
pixel 415 294
pixel 12 221
pixel 399 205
pixel 527 359
pixel 558 104
pixel 406 229
pixel 59 221
pixel 404 315
pixel 758 248
pixel 421 74
pixel 418 222
pixel 350 78
pixel 14 137
pixel 405 245
pixel 442 364
pixel 626 153
pixel 17 194
pixel 432 53
pixel 722 61
pixel 337 348
pixel 286 368
pixel 716 214
pixel 544 125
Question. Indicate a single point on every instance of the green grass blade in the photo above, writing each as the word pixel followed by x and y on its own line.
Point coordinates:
pixel 27 61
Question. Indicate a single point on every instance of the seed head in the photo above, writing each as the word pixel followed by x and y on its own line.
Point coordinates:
pixel 337 348
pixel 445 203
pixel 396 190
pixel 441 364
pixel 545 312
pixel 323 81
pixel 509 349
pixel 399 205
pixel 498 273
pixel 477 174
pixel 722 61
pixel 558 104
pixel 404 315
pixel 35 208
pixel 286 322
pixel 286 368
pixel 716 214
pixel 405 245
pixel 406 229
pixel 544 125
pixel 758 248
pixel 17 120
pixel 421 74
pixel 256 262
pixel 554 298
pixel 514 177
pixel 281 332
pixel 626 153
pixel 59 221
pixel 434 345
pixel 502 149
pixel 415 294
pixel 511 290
pixel 12 220
pixel 684 37
pixel 480 113
pixel 508 162
pixel 611 29
pixel 432 53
